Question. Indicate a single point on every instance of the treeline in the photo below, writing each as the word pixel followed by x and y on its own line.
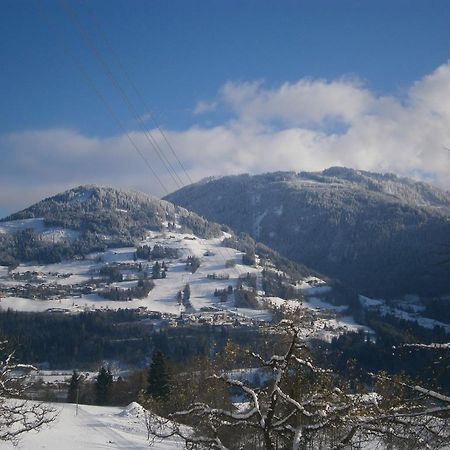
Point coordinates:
pixel 277 285
pixel 141 290
pixel 246 244
pixel 103 217
pixel 164 383
pixel 27 245
pixel 157 252
pixel 361 353
pixel 437 309
pixel 192 263
pixel 246 298
pixel 199 226
pixel 85 339
pixel 223 293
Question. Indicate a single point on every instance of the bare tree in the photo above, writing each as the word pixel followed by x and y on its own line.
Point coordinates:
pixel 18 416
pixel 304 407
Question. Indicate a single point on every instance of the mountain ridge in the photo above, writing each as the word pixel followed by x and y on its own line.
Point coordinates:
pixel 380 233
pixel 85 208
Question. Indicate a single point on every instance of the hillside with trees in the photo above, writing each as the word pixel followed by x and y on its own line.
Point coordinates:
pixel 381 234
pixel 91 218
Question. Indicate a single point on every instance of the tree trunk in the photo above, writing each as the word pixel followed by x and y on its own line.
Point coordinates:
pixel 268 445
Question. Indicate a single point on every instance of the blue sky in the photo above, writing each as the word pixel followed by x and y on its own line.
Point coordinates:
pixel 205 67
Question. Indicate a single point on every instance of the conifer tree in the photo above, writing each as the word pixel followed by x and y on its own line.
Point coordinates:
pixel 187 293
pixel 156 271
pixel 73 387
pixel 158 378
pixel 103 386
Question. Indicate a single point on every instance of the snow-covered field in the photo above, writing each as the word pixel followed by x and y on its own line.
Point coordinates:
pixel 214 260
pixel 94 427
pixel 413 314
pixel 53 234
pixel 162 297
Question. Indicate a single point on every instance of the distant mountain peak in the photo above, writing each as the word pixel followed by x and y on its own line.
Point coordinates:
pixel 104 210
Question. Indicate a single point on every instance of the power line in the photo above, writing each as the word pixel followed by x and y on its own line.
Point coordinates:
pixel 91 83
pixel 90 43
pixel 135 88
pixel 106 67
pixel 109 45
pixel 126 99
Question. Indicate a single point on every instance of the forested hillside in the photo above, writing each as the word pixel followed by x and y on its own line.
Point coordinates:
pixel 381 234
pixel 86 219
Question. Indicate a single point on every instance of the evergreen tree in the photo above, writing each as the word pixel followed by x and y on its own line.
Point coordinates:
pixel 158 381
pixel 249 258
pixel 187 293
pixel 73 387
pixel 103 386
pixel 156 271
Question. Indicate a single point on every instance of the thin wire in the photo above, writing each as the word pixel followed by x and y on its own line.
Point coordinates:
pixel 107 69
pixel 135 88
pixel 91 83
pixel 90 43
pixel 117 120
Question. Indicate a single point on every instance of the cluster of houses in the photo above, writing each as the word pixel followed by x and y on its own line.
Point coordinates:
pixel 51 291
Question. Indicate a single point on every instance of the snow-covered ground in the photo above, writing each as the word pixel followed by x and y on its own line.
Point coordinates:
pixel 317 303
pixel 162 297
pixel 53 234
pixel 403 310
pixel 329 320
pixel 94 427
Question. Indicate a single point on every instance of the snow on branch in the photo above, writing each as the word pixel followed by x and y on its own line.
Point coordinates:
pixel 301 404
pixel 433 346
pixel 18 416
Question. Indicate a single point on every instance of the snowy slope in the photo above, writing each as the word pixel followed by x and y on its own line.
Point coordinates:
pixel 95 427
pixel 162 298
pixel 51 234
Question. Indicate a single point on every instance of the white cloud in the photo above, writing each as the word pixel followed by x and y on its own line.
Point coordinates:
pixel 305 102
pixel 290 127
pixel 203 107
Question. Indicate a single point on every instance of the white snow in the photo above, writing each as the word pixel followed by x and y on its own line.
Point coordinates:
pixel 53 234
pixel 95 427
pixel 313 286
pixel 289 304
pixel 317 303
pixel 13 226
pixel 403 311
pixel 162 298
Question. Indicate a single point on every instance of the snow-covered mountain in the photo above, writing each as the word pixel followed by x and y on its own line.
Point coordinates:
pixel 381 234
pixel 95 248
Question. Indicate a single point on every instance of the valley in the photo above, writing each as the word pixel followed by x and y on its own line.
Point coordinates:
pixel 96 277
pixel 78 285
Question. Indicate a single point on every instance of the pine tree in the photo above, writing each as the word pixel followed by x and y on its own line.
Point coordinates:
pixel 187 293
pixel 158 378
pixel 73 387
pixel 103 386
pixel 156 271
